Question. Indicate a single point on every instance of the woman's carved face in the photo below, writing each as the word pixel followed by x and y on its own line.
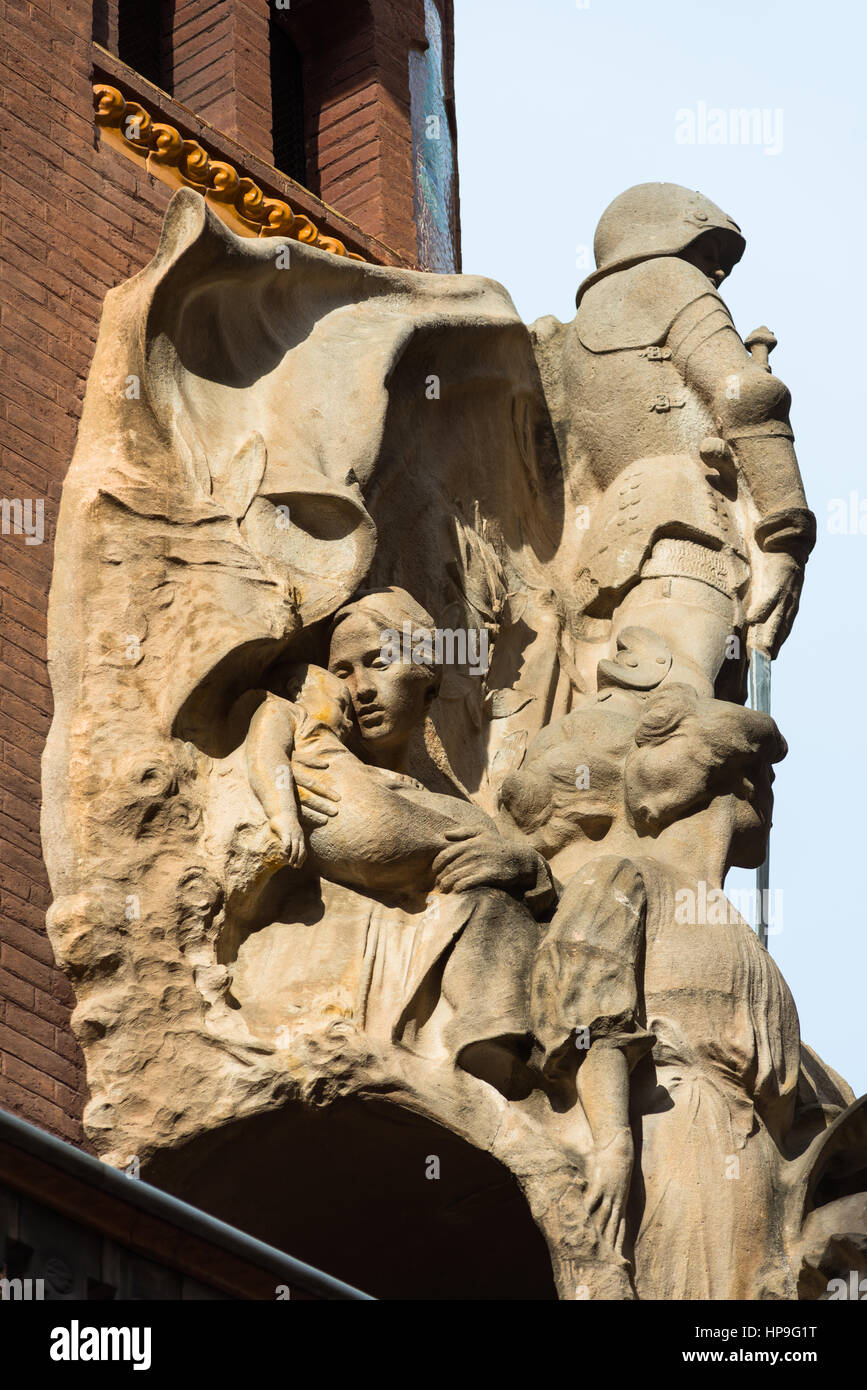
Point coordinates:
pixel 389 697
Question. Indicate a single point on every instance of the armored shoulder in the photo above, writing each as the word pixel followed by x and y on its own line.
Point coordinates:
pixel 636 308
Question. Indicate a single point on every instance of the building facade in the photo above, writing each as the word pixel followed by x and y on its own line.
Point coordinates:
pixel 331 124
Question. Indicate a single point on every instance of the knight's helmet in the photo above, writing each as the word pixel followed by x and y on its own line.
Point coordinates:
pixel 658 219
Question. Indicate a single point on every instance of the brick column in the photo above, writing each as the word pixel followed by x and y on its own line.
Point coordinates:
pixel 359 144
pixel 220 67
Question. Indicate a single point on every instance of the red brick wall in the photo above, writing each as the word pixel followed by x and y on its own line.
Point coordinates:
pixel 357 101
pixel 80 218
pixel 202 59
pixel 220 67
pixel 77 221
pixel 359 147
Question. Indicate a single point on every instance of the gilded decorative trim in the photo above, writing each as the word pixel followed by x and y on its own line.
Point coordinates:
pixel 236 199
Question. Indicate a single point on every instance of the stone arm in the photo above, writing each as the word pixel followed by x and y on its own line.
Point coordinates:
pixel 750 407
pixel 268 748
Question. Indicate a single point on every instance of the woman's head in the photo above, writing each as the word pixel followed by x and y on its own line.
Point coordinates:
pixel 390 696
pixel 627 763
pixel 689 749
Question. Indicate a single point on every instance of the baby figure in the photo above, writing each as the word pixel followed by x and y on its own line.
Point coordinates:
pixel 319 709
pixel 315 720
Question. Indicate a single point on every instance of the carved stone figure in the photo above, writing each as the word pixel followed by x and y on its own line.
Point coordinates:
pixel 667 1029
pixel 420 858
pixel 675 441
pixel 387 639
pixel 691 1034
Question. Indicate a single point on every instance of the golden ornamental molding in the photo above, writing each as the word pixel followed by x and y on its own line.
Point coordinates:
pixel 237 199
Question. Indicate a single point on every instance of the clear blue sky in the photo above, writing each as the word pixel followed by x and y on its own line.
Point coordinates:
pixel 560 108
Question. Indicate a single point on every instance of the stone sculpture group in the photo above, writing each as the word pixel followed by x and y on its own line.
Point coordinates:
pixel 292 872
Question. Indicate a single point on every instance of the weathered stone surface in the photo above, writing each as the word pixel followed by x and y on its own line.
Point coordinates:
pixel 398 762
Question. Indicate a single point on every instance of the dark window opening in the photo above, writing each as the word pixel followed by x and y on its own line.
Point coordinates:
pixel 143 39
pixel 287 105
pixel 100 23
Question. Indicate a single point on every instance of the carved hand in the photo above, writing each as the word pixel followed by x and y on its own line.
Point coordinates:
pixel 291 837
pixel 481 858
pixel 316 795
pixel 774 601
pixel 609 1172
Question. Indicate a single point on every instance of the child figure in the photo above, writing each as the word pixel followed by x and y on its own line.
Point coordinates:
pixel 318 709
pixel 315 721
